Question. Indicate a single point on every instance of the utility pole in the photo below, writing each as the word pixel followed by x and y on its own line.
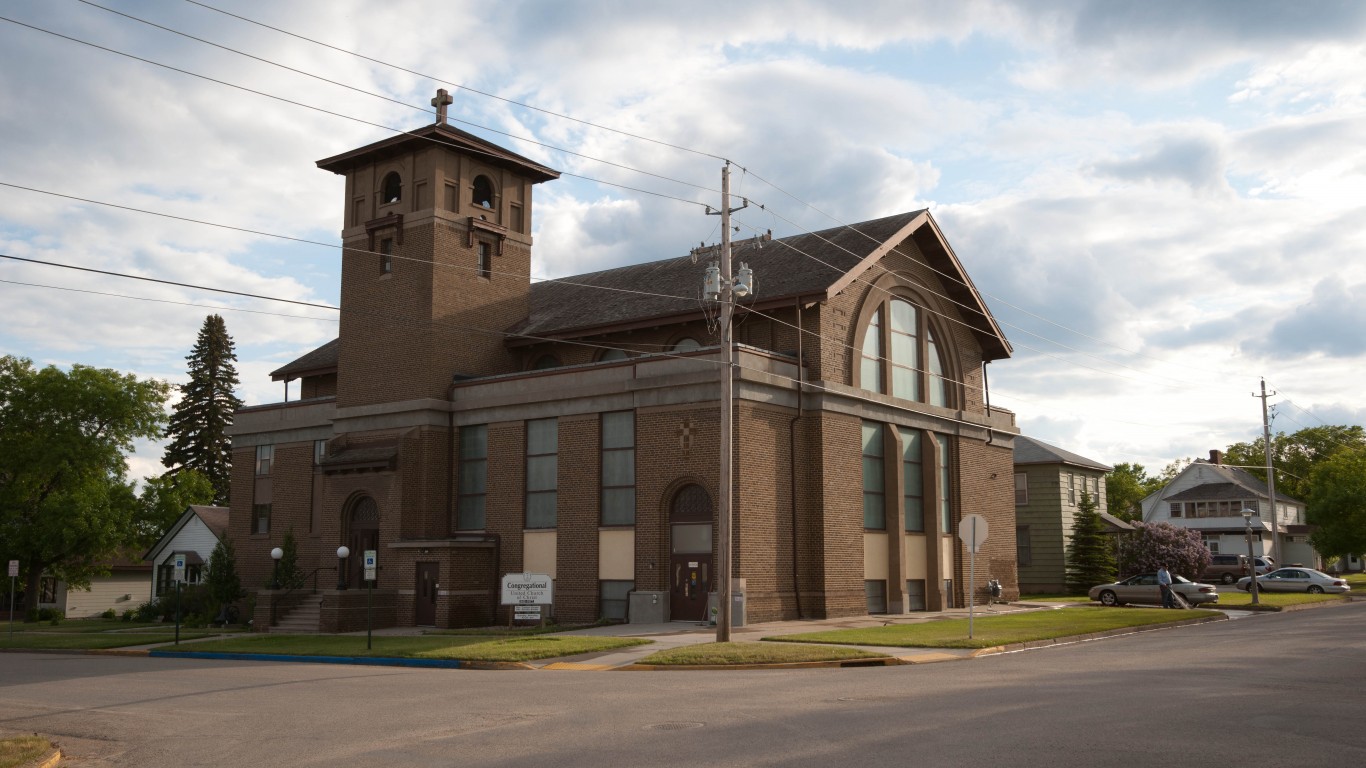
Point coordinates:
pixel 726 292
pixel 1270 480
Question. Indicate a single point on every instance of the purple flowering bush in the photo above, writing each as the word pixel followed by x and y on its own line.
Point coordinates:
pixel 1155 544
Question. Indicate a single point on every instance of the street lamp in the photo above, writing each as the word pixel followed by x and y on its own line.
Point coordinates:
pixel 342 554
pixel 1251 558
pixel 276 554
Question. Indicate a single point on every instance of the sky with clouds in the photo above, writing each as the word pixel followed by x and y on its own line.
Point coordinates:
pixel 1162 201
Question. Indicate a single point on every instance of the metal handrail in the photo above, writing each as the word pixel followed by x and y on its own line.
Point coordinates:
pixel 276 601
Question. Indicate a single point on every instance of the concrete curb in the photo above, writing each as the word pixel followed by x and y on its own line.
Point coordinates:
pixel 887 661
pixel 1119 632
pixel 50 760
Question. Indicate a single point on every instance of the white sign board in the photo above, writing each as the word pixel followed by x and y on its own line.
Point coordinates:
pixel 13 568
pixel 527 589
pixel 179 561
pixel 973 532
pixel 370 565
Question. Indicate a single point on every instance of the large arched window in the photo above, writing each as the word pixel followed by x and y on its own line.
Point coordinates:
pixel 899 354
pixel 483 192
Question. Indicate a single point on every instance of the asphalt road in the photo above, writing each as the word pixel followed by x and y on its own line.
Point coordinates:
pixel 1282 689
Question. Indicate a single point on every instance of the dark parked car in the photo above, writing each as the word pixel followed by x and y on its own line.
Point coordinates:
pixel 1226 568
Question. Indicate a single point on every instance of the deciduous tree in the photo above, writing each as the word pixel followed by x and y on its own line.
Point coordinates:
pixel 65 504
pixel 199 422
pixel 1126 487
pixel 1337 504
pixel 1295 455
pixel 1152 545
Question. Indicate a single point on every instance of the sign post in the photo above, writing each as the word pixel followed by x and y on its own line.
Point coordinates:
pixel 179 577
pixel 370 568
pixel 973 531
pixel 13 574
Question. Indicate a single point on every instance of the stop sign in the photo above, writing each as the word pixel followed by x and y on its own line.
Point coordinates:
pixel 973 532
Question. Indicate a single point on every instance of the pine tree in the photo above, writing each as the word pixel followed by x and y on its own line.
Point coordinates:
pixel 224 585
pixel 1089 559
pixel 199 422
pixel 290 575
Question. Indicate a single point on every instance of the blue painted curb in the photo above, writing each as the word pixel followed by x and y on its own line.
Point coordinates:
pixel 362 660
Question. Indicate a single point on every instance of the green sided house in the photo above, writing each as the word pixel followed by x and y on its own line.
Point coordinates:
pixel 1049 482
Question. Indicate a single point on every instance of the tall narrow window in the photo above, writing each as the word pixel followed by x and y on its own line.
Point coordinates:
pixel 265 455
pixel 939 390
pixel 386 256
pixel 871 372
pixel 542 468
pixel 915 594
pixel 874 493
pixel 1021 489
pixel 913 479
pixel 260 514
pixel 1024 553
pixel 1071 490
pixel 875 592
pixel 619 468
pixel 485 260
pixel 483 192
pixel 905 351
pixel 391 191
pixel 474 463
pixel 945 487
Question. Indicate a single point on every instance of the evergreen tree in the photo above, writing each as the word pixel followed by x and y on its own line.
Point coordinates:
pixel 224 585
pixel 1089 559
pixel 199 422
pixel 290 575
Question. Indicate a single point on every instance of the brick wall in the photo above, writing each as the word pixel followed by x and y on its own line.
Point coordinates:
pixel 577 516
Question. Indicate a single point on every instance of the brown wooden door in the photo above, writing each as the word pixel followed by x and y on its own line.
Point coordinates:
pixel 424 610
pixel 690 548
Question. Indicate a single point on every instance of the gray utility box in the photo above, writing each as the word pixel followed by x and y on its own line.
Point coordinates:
pixel 648 607
pixel 737 604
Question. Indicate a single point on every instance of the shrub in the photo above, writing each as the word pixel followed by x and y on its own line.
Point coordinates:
pixel 1156 544
pixel 109 614
pixel 128 615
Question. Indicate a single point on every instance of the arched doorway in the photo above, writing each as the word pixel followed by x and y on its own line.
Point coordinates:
pixel 362 533
pixel 690 561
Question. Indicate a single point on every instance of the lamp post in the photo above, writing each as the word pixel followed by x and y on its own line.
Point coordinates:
pixel 1251 558
pixel 276 554
pixel 342 554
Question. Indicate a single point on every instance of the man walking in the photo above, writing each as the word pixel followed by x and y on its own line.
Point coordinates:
pixel 1164 583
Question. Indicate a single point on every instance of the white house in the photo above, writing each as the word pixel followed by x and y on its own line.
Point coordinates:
pixel 1210 496
pixel 194 534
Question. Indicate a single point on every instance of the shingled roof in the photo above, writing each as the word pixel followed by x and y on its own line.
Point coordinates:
pixel 321 360
pixel 1239 484
pixel 433 135
pixel 814 265
pixel 1031 451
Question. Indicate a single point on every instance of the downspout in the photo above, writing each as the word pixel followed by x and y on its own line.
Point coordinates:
pixel 986 391
pixel 792 456
pixel 450 455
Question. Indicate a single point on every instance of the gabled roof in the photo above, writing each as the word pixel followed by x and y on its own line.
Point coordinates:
pixel 444 135
pixel 319 361
pixel 1031 451
pixel 214 518
pixel 1236 483
pixel 814 266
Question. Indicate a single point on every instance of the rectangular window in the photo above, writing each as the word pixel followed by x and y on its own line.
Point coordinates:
pixel 1175 509
pixel 260 516
pixel 1023 553
pixel 1071 490
pixel 47 589
pixel 1212 543
pixel 874 493
pixel 485 260
pixel 473 474
pixel 876 593
pixel 386 256
pixel 945 486
pixel 319 451
pixel 915 594
pixel 265 454
pixel 913 479
pixel 948 594
pixel 1021 489
pixel 905 350
pixel 165 576
pixel 619 468
pixel 542 468
pixel 612 599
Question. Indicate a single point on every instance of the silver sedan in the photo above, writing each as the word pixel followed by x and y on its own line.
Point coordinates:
pixel 1296 580
pixel 1143 589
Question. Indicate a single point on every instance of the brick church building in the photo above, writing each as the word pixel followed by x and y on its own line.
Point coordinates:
pixel 468 423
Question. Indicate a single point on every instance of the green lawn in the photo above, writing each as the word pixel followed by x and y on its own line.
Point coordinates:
pixel 1357 580
pixel 1054 599
pixel 463 647
pixel 87 625
pixel 753 653
pixel 75 640
pixel 1004 629
pixel 1236 598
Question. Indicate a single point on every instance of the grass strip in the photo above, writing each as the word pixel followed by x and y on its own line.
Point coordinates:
pixel 753 653
pixel 465 648
pixel 39 641
pixel 1239 598
pixel 989 631
pixel 78 626
pixel 22 750
pixel 1054 598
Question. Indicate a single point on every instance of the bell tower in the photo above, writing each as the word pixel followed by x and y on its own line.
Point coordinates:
pixel 436 260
